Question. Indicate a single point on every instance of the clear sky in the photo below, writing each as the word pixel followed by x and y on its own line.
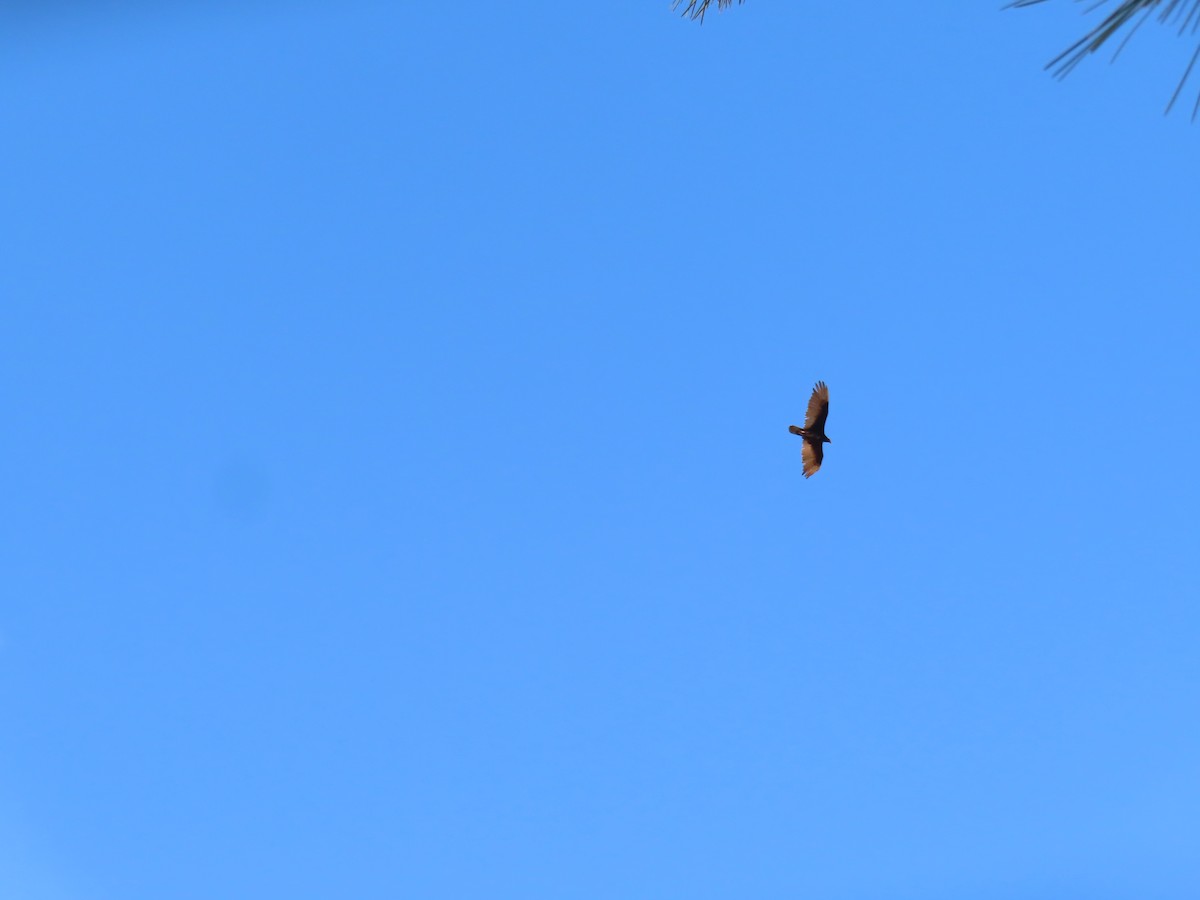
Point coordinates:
pixel 397 493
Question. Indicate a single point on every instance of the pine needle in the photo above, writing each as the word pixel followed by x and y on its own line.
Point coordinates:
pixel 696 8
pixel 1169 12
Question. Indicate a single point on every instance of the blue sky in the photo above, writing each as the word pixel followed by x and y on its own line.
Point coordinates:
pixel 398 494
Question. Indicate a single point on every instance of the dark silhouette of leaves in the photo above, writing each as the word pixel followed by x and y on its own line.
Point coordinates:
pixel 696 9
pixel 1184 13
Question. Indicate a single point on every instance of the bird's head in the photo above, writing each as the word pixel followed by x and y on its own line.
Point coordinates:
pixel 826 440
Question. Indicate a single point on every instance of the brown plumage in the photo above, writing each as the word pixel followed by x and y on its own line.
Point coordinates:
pixel 813 431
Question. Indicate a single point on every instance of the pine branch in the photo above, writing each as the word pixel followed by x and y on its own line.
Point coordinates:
pixel 695 9
pixel 1170 12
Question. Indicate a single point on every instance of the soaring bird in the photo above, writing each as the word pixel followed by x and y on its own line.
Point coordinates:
pixel 813 431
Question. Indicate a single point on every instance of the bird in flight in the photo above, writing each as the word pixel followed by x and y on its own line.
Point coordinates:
pixel 813 431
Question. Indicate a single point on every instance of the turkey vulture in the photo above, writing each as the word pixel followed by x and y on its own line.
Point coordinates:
pixel 813 431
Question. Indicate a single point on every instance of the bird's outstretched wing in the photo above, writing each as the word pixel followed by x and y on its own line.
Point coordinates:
pixel 811 455
pixel 818 411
